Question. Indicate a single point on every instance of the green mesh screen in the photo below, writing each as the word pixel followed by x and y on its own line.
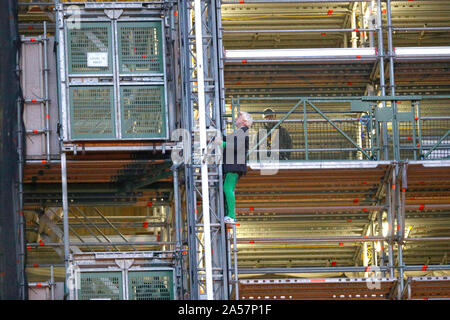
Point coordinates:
pixel 140 47
pixel 150 285
pixel 100 285
pixel 92 112
pixel 90 39
pixel 143 111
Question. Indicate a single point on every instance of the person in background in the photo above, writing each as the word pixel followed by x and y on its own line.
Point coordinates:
pixel 236 147
pixel 285 141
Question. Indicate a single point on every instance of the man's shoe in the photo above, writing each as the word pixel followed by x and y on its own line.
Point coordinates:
pixel 229 220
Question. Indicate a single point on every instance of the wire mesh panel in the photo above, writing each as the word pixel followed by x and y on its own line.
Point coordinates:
pixel 150 285
pixel 407 138
pixel 100 285
pixel 434 132
pixel 89 48
pixel 143 112
pixel 324 142
pixel 140 47
pixel 92 112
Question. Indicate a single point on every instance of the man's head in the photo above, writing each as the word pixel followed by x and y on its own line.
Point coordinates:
pixel 268 114
pixel 244 119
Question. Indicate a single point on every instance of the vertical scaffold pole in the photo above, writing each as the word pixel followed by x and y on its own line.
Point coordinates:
pixel 395 132
pixel 382 80
pixel 177 209
pixel 46 95
pixel 65 206
pixel 21 224
pixel 203 147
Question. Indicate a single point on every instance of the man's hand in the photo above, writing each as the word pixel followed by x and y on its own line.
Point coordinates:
pixel 218 140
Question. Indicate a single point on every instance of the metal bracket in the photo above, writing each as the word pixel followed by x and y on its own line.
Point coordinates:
pixel 361 106
pixel 113 14
pixel 124 264
pixel 384 114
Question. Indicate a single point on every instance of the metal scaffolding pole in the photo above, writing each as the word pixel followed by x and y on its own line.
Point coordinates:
pixel 395 133
pixel 65 206
pixel 353 30
pixel 178 240
pixel 21 229
pixel 384 130
pixel 46 94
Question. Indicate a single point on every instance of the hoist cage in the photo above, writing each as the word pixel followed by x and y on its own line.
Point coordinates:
pixel 112 72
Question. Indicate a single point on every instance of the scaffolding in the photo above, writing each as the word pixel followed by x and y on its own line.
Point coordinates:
pixel 369 158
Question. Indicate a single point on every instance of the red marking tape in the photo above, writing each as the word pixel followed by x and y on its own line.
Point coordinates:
pixel 323 33
pixel 364 210
pixel 175 13
pixel 383 11
pixel 149 204
pixel 367 269
pixel 358 57
pixel 393 187
pixel 44 161
pixel 30 27
pixel 356 30
pixel 35 265
pixel 244 61
pixel 184 253
pixel 330 12
pixel 251 209
pixel 403 190
pixel 421 207
pixel 333 263
pixel 33 40
pixel 145 224
pixel 41 243
pixel 364 182
pixel 39 285
pixel 28 247
pixel 349 83
pixel 33 100
pixel 349 220
pixel 341 244
pixel 355 200
pixel 416 118
pixel 398 228
pixel 316 280
pixel 47 116
pixel 251 241
pixel 238 224
pixel 424 267
pixel 35 131
pixel 409 138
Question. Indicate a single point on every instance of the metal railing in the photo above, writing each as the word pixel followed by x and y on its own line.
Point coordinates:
pixel 327 129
